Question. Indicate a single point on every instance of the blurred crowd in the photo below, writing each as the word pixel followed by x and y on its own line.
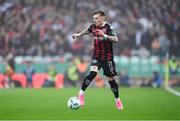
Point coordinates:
pixel 45 27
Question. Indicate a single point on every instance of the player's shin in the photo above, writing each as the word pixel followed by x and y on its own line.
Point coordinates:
pixel 114 88
pixel 88 79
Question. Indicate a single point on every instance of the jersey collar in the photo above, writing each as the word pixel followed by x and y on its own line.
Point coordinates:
pixel 104 24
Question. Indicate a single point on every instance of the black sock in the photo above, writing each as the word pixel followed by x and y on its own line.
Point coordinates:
pixel 114 88
pixel 88 79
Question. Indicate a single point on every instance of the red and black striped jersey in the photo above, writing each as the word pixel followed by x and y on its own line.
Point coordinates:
pixel 103 47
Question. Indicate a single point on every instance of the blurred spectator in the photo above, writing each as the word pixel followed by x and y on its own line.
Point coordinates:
pixel 9 70
pixel 44 27
pixel 164 43
pixel 155 46
pixel 52 72
pixel 82 66
pixel 29 71
pixel 156 79
pixel 72 73
pixel 145 82
pixel 173 65
pixel 174 47
pixel 124 79
pixel 142 52
pixel 126 52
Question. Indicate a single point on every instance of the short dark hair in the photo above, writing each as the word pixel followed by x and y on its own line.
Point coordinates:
pixel 101 13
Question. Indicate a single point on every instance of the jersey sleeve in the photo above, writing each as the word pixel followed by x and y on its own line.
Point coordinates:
pixel 90 28
pixel 112 31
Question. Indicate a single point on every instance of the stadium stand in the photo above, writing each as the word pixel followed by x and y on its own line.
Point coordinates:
pixel 40 29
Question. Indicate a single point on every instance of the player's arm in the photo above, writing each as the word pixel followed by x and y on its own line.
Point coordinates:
pixel 112 37
pixel 84 32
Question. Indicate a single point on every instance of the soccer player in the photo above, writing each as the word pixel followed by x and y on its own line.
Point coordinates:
pixel 104 37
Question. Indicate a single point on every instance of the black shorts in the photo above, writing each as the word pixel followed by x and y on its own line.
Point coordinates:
pixel 109 69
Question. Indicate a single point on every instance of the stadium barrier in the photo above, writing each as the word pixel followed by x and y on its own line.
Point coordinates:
pixel 21 78
pixel 37 81
pixel 2 78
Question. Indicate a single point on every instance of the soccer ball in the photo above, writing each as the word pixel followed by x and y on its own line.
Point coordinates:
pixel 73 103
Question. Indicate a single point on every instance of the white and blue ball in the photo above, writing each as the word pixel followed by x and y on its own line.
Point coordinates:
pixel 73 103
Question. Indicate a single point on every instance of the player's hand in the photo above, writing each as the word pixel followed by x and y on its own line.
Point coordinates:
pixel 100 32
pixel 75 35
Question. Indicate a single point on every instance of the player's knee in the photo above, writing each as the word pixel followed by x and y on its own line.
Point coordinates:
pixel 116 78
pixel 111 78
pixel 91 75
pixel 94 68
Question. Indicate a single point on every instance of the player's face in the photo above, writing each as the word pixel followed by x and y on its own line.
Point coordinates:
pixel 98 20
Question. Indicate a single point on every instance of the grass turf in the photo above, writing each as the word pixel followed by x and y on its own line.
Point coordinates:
pixel 139 103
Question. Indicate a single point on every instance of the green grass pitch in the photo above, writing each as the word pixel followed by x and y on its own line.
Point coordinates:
pixel 48 103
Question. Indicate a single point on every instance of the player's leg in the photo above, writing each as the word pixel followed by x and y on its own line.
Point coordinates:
pixel 95 66
pixel 110 72
pixel 88 79
pixel 114 87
